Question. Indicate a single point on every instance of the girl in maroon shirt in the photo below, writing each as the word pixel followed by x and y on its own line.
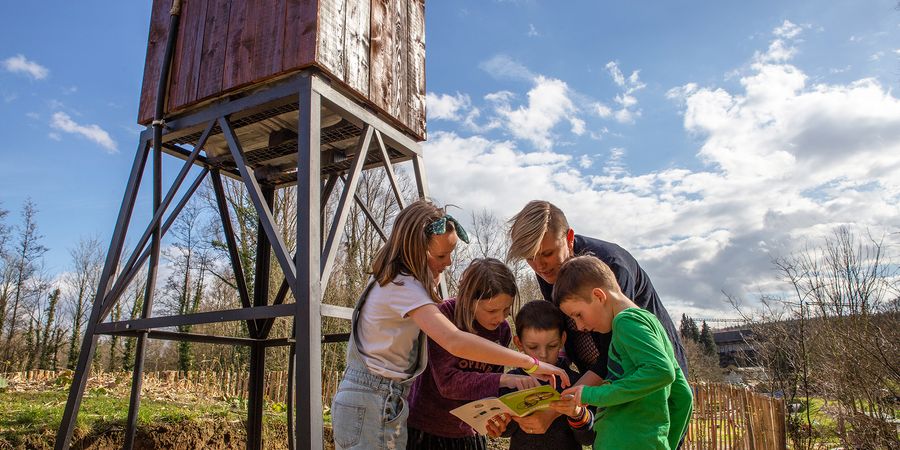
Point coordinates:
pixel 486 294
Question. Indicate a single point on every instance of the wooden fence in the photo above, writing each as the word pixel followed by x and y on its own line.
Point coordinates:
pixel 730 417
pixel 725 416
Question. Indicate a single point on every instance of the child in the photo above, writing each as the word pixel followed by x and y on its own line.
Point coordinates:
pixel 647 400
pixel 486 293
pixel 541 333
pixel 387 344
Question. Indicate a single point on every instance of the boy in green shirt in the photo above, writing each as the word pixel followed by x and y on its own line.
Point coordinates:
pixel 647 402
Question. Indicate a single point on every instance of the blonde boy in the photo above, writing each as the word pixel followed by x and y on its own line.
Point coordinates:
pixel 647 400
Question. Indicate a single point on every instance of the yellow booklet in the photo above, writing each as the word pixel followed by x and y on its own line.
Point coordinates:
pixel 518 403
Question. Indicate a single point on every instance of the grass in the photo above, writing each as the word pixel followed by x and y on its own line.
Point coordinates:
pixel 25 415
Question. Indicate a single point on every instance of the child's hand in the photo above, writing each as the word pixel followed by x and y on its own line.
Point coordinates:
pixel 518 382
pixel 567 405
pixel 573 393
pixel 497 425
pixel 549 372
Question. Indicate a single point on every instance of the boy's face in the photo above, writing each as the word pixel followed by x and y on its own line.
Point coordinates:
pixel 589 314
pixel 554 250
pixel 490 313
pixel 541 344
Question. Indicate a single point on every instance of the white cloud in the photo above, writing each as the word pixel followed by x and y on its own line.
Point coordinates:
pixel 628 103
pixel 504 67
pixel 787 30
pixel 445 106
pixel 532 31
pixel 549 103
pixel 21 64
pixel 585 162
pixel 782 160
pixel 62 122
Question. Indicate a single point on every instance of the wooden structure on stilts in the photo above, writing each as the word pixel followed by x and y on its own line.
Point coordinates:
pixel 275 94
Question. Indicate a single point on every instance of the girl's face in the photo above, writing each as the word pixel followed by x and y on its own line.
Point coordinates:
pixel 491 312
pixel 440 247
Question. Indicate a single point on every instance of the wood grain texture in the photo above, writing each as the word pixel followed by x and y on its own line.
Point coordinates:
pixel 374 47
pixel 356 45
pixel 416 69
pixel 301 18
pixel 156 48
pixel 212 64
pixel 183 80
pixel 267 36
pixel 330 52
pixel 380 49
pixel 238 46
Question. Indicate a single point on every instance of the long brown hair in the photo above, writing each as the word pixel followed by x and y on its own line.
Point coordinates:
pixel 406 250
pixel 483 279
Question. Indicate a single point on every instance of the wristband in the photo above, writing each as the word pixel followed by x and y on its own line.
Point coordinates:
pixel 581 421
pixel 533 368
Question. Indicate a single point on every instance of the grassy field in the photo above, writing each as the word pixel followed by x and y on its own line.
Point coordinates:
pixel 29 419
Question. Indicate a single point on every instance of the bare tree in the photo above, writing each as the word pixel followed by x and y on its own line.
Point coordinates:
pixel 80 284
pixel 835 335
pixel 25 261
pixel 190 259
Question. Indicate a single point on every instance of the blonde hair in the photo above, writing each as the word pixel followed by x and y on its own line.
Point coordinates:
pixel 528 228
pixel 483 279
pixel 581 274
pixel 406 250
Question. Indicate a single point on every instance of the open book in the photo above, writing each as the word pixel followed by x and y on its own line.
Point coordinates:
pixel 518 403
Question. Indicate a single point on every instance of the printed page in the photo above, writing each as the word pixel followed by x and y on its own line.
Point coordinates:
pixel 523 403
pixel 477 413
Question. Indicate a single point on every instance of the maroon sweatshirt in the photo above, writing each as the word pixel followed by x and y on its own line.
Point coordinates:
pixel 449 382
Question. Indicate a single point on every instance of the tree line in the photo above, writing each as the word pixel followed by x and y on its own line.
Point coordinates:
pixel 43 316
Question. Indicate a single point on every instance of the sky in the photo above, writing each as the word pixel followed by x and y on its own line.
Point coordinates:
pixel 708 138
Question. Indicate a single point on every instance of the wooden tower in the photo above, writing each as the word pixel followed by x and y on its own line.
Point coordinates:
pixel 273 93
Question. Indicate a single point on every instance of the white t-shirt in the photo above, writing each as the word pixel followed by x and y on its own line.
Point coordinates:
pixel 387 336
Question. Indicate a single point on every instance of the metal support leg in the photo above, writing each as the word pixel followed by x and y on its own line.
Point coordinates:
pixel 134 403
pixel 307 320
pixel 256 383
pixel 89 344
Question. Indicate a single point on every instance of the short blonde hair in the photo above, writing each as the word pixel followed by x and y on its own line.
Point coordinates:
pixel 578 276
pixel 530 225
pixel 406 250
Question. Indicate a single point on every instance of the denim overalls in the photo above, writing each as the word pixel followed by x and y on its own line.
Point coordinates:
pixel 369 411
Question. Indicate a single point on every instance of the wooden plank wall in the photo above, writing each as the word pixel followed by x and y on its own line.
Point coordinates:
pixel 374 47
pixel 729 417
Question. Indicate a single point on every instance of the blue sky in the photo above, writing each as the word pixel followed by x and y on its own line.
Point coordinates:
pixel 705 137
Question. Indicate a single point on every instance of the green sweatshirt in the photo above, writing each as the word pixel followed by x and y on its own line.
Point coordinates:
pixel 647 400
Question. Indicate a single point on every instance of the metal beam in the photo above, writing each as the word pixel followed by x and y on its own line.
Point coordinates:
pixel 307 286
pixel 389 168
pixel 368 214
pixel 186 337
pixel 233 253
pixel 273 95
pixel 89 344
pixel 350 110
pixel 343 210
pixel 125 279
pixel 160 207
pixel 256 195
pixel 228 315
